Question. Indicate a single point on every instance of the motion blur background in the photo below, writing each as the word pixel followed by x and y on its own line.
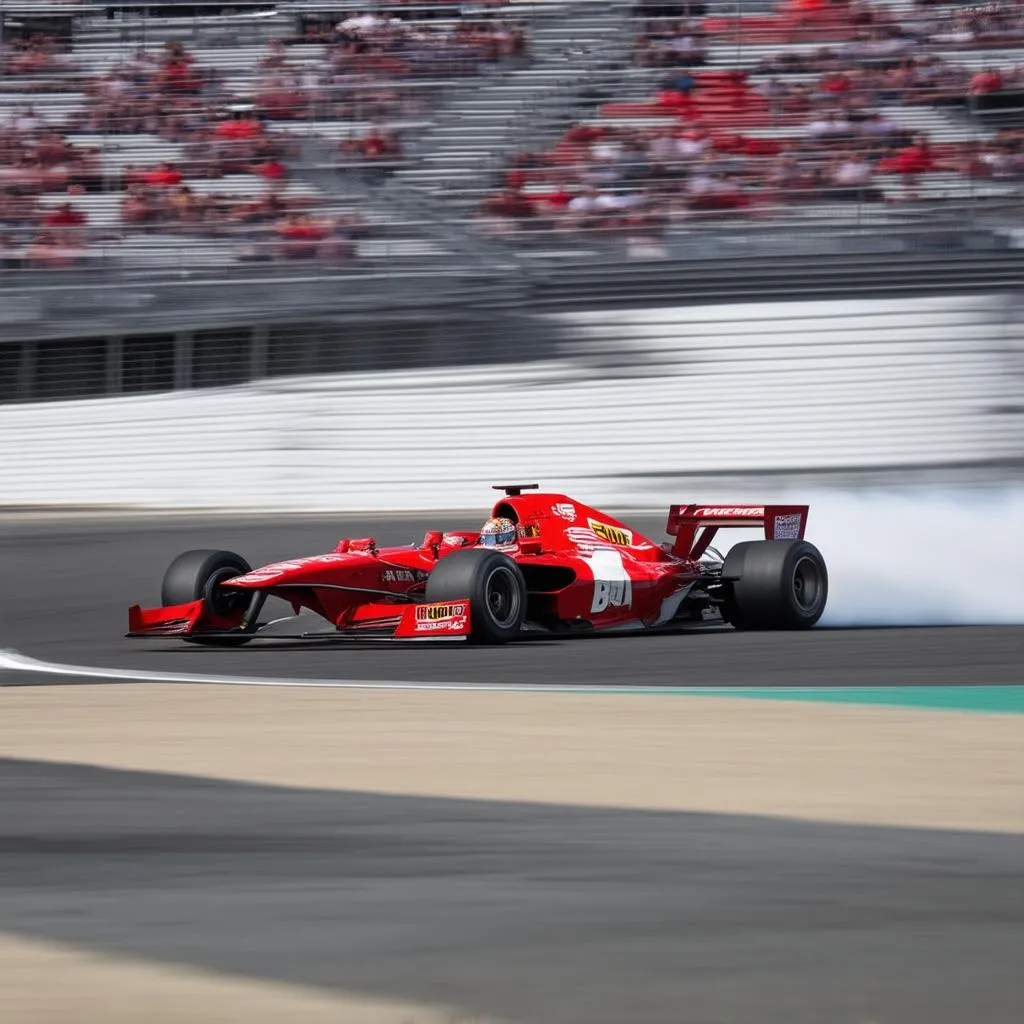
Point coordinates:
pixel 300 264
pixel 372 256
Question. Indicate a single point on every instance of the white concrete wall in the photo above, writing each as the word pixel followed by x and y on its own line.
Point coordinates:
pixel 654 393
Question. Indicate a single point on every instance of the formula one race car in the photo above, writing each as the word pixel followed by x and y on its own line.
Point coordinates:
pixel 542 562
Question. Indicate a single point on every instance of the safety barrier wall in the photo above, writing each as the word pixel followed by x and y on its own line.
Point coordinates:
pixel 634 404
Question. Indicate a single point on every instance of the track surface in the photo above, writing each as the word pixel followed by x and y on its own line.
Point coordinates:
pixel 74 583
pixel 510 911
pixel 544 915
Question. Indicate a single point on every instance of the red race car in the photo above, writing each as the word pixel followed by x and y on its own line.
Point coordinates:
pixel 541 562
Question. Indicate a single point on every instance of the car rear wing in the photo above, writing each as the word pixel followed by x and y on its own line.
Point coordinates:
pixel 695 526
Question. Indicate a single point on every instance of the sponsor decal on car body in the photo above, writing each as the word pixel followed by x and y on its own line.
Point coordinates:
pixel 787 527
pixel 613 587
pixel 398 576
pixel 730 512
pixel 452 625
pixel 584 538
pixel 612 534
pixel 439 612
pixel 564 510
pixel 447 617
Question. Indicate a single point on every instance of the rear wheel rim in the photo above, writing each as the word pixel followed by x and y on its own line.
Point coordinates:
pixel 808 584
pixel 503 597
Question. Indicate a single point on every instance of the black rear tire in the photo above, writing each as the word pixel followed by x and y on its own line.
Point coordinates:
pixel 197 575
pixel 494 585
pixel 774 584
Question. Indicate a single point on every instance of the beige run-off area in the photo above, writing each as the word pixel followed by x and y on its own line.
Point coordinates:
pixel 53 983
pixel 826 763
pixel 839 763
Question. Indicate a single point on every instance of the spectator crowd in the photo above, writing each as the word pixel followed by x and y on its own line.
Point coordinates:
pixel 223 125
pixel 815 123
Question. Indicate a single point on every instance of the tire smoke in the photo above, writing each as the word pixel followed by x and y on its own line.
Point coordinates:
pixel 921 557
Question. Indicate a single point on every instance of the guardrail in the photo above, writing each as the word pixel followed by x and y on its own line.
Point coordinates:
pixel 630 406
pixel 74 336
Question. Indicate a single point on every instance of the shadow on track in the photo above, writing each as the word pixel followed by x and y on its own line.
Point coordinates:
pixel 517 911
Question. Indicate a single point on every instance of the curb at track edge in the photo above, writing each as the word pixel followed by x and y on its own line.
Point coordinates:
pixel 979 698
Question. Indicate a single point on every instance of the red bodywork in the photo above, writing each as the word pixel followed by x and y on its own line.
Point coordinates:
pixel 582 567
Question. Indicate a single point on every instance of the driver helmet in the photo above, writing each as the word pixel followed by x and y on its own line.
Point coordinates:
pixel 498 532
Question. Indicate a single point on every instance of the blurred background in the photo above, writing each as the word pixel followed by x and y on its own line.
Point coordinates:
pixel 328 255
pixel 294 262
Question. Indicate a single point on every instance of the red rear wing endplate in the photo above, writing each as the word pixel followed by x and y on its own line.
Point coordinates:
pixel 695 526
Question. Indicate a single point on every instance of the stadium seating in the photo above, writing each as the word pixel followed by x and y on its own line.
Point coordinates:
pixel 244 136
pixel 299 132
pixel 810 111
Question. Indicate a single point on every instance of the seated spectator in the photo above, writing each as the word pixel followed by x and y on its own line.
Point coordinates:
pixel 835 84
pixel 850 176
pixel 693 143
pixel 164 176
pixel 300 236
pixel 710 190
pixel 65 216
pixel 985 82
pixel 554 201
pixel 175 72
pixel 830 125
pixel 281 99
pixel 378 145
pixel 240 127
pixel 588 201
pixel 877 128
pixel 136 207
pixel 913 160
pixel 183 206
pixel 266 209
pixel 998 161
pixel 510 204
pixel 663 153
pixel 272 169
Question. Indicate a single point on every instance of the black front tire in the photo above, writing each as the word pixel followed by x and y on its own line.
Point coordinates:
pixel 774 584
pixel 197 575
pixel 494 585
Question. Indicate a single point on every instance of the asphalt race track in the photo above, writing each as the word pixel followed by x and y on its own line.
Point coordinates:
pixel 158 833
pixel 75 583
pixel 518 912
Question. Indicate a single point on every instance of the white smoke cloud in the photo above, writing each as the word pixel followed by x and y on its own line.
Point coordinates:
pixel 921 557
pixel 915 557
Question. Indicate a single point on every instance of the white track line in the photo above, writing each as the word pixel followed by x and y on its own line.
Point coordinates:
pixel 12 661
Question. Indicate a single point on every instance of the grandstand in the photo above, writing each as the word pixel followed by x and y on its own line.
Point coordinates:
pixel 170 168
pixel 848 118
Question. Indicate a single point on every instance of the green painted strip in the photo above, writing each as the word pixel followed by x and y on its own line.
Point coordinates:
pixel 993 699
